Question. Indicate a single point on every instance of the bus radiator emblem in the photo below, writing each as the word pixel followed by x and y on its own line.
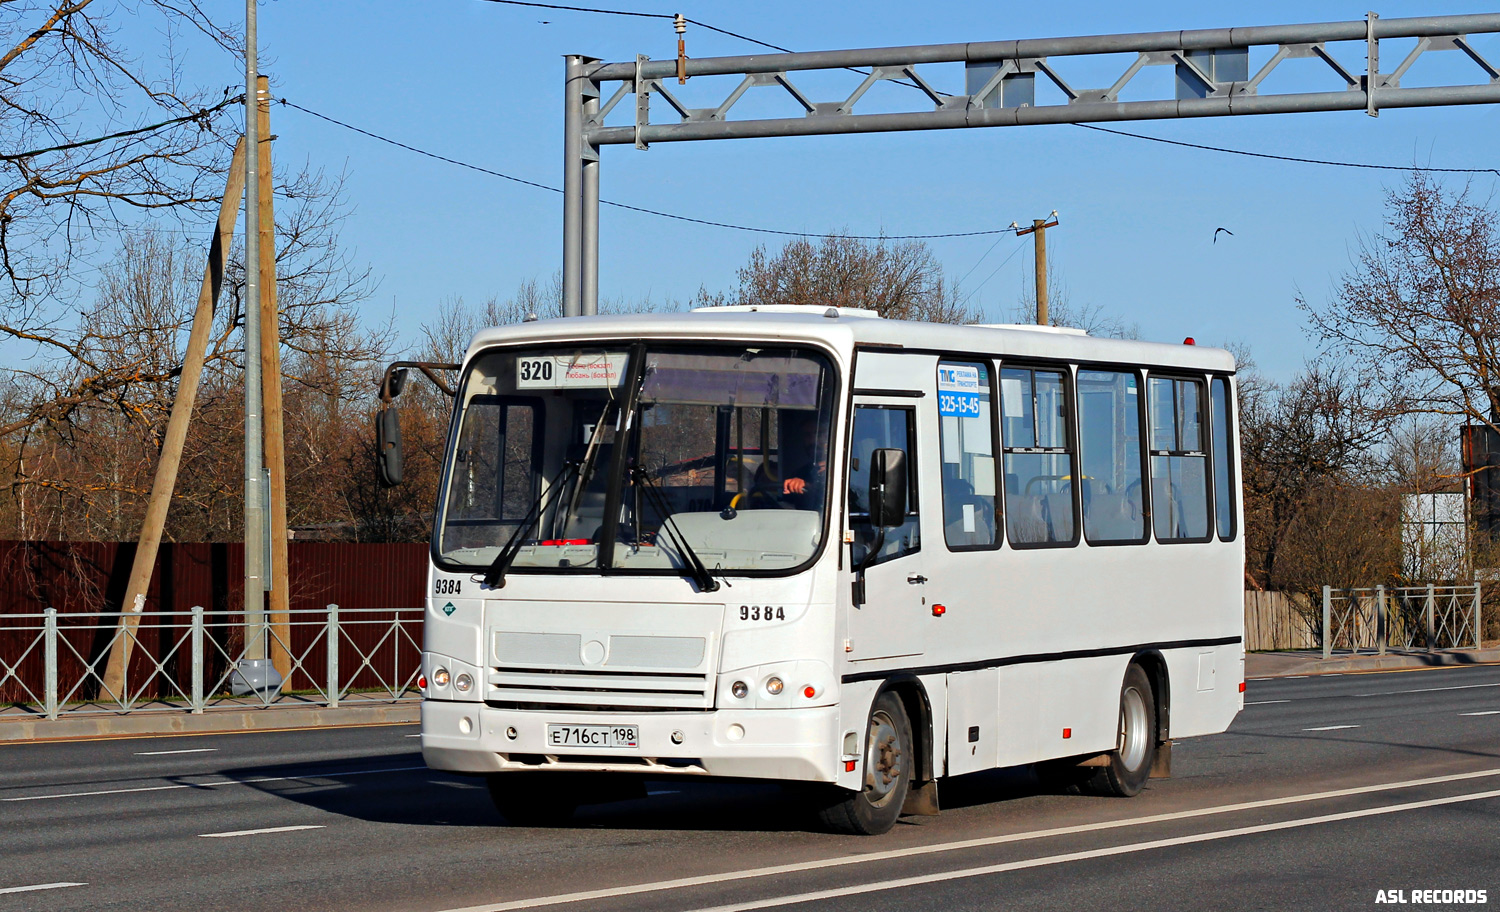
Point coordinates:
pixel 448 609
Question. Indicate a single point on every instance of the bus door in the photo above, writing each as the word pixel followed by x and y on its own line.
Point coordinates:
pixel 887 607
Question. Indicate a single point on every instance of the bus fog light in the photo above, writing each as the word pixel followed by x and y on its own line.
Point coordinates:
pixel 677 737
pixel 511 733
pixel 440 677
pixel 739 689
pixel 465 725
pixel 462 683
pixel 774 686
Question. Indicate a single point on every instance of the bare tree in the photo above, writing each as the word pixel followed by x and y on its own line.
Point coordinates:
pixel 90 418
pixel 1299 442
pixel 1093 319
pixel 1419 315
pixel 98 136
pixel 901 281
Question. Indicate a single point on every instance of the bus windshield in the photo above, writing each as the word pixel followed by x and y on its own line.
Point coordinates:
pixel 624 458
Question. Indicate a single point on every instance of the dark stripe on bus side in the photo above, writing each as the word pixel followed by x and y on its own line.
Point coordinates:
pixel 895 394
pixel 983 664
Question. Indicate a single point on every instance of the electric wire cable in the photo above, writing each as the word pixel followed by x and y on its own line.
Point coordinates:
pixel 656 212
pixel 1288 158
pixel 639 15
pixel 994 272
pixel 199 115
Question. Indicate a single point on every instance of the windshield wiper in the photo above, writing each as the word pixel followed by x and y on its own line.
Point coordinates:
pixel 494 577
pixel 696 568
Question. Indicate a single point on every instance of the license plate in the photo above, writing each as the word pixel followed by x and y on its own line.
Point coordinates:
pixel 592 736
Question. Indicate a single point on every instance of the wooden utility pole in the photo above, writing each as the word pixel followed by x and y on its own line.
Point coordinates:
pixel 1039 230
pixel 176 435
pixel 270 371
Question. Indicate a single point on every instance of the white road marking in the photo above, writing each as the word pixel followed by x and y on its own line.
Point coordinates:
pixel 210 785
pixel 1487 712
pixel 285 829
pixel 193 750
pixel 1328 728
pixel 50 886
pixel 1426 690
pixel 912 851
pixel 1048 860
pixel 1266 702
pixel 418 735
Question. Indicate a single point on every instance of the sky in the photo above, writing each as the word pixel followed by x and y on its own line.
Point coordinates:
pixel 482 82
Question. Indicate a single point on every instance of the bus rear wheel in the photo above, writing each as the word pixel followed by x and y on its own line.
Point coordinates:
pixel 888 763
pixel 1130 762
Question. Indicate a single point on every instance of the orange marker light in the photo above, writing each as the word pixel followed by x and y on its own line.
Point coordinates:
pixel 809 691
pixel 939 610
pixel 1189 341
pixel 421 682
pixel 848 766
pixel 1067 733
pixel 1242 687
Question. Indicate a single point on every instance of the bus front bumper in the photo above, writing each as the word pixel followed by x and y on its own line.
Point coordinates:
pixel 785 744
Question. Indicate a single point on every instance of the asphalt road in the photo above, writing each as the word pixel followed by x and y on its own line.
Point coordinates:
pixel 1326 791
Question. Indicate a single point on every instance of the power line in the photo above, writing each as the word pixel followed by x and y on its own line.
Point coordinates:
pixel 200 115
pixel 994 271
pixel 656 212
pixel 638 15
pixel 1289 158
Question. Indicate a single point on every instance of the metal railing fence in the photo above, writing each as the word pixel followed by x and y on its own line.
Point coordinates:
pixel 53 664
pixel 1427 617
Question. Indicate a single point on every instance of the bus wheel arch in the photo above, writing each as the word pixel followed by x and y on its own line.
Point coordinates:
pixel 1155 666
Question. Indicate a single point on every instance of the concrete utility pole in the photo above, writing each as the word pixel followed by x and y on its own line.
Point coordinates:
pixel 270 369
pixel 176 435
pixel 1038 230
pixel 254 672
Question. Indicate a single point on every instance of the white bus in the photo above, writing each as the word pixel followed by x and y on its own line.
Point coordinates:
pixel 812 545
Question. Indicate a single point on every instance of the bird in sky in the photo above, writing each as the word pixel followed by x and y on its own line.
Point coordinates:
pixel 1225 230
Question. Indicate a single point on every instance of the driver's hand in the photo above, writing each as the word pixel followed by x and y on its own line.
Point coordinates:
pixel 794 486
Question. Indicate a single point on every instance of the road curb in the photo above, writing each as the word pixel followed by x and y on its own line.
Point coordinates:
pixel 126 725
pixel 1283 664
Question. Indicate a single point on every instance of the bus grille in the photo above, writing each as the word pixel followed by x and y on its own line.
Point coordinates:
pixel 599 691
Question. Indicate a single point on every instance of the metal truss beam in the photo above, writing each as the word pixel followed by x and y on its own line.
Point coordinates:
pixel 1213 80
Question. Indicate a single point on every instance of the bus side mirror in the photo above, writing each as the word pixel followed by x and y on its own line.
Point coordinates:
pixel 388 445
pixel 887 488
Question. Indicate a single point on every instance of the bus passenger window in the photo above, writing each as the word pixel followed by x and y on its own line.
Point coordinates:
pixel 966 437
pixel 874 428
pixel 1179 460
pixel 1109 431
pixel 1038 466
pixel 1223 459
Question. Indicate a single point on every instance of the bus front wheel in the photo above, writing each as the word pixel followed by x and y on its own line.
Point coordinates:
pixel 888 763
pixel 1130 762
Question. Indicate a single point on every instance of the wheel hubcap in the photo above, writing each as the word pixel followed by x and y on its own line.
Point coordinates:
pixel 885 756
pixel 1133 728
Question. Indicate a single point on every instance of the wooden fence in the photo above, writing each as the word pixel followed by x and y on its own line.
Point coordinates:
pixel 1280 620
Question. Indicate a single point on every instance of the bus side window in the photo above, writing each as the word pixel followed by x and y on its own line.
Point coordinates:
pixel 878 427
pixel 1223 460
pixel 1179 460
pixel 967 441
pixel 1039 472
pixel 1109 431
